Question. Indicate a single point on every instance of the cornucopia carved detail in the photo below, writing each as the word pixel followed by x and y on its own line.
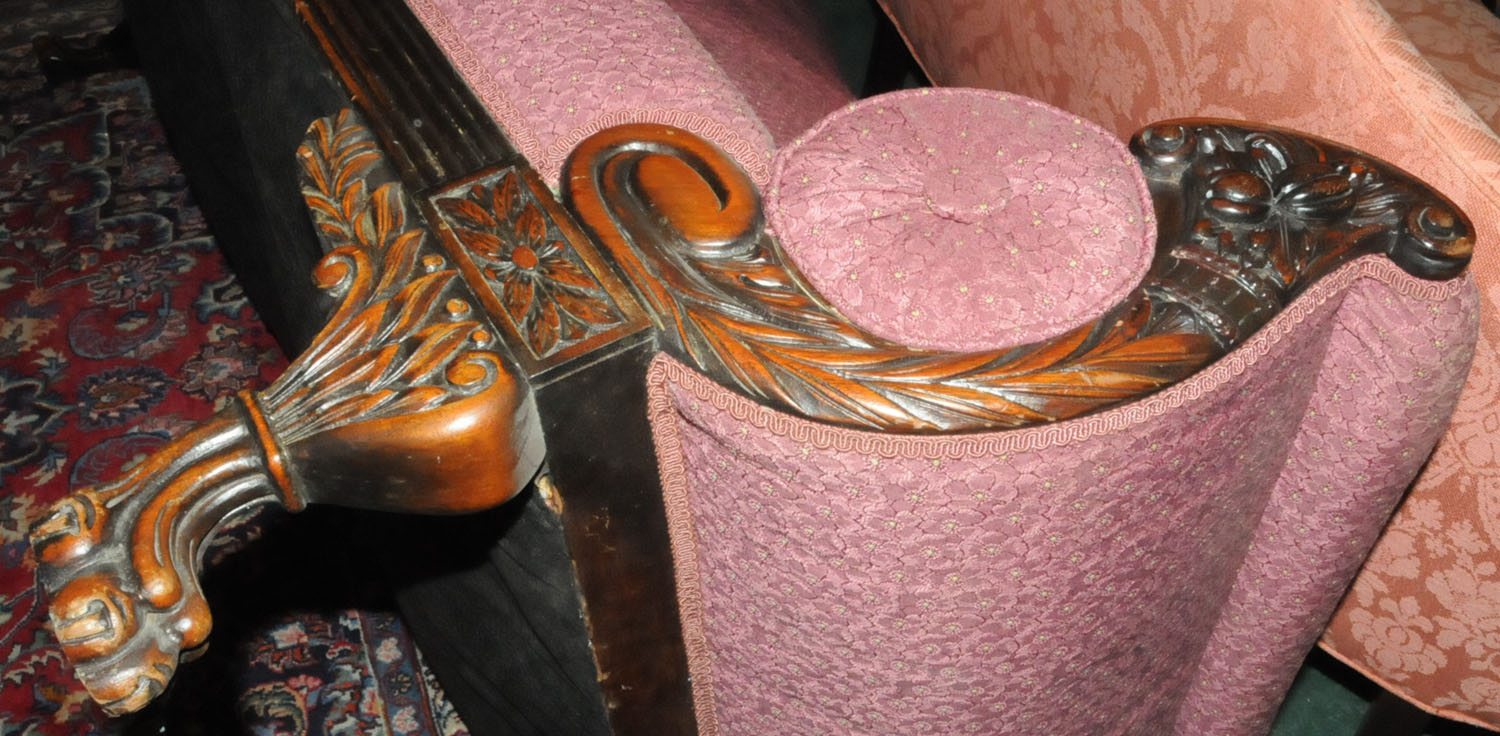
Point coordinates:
pixel 1247 218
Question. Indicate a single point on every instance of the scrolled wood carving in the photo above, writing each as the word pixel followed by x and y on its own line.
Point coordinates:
pixel 399 405
pixel 1248 217
pixel 549 296
pixel 542 281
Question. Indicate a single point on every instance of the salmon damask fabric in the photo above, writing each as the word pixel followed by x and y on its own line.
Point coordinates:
pixel 1424 615
pixel 1461 40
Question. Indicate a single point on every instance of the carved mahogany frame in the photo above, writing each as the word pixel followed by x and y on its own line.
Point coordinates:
pixel 1248 218
pixel 466 289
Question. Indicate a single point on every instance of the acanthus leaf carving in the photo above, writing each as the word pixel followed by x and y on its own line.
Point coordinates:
pixel 399 404
pixel 1256 215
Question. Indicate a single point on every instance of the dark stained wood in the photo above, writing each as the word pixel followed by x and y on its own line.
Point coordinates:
pixel 236 85
pixel 1248 218
pixel 591 395
pixel 505 633
pixel 425 117
pixel 600 454
pixel 398 405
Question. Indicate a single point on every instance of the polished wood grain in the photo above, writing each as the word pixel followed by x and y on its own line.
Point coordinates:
pixel 1248 217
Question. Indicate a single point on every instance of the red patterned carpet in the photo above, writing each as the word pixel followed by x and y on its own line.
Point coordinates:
pixel 120 325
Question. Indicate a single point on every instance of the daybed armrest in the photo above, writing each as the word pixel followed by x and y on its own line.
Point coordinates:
pixel 456 304
pixel 1248 218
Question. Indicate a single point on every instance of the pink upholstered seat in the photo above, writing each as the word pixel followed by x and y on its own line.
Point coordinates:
pixel 1413 81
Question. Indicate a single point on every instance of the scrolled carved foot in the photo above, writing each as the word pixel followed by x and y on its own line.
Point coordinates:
pixel 118 560
pixel 399 405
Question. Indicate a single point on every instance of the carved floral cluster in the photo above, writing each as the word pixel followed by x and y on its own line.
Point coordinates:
pixel 550 299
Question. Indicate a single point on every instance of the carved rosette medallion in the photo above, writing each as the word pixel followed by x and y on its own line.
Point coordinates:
pixel 549 289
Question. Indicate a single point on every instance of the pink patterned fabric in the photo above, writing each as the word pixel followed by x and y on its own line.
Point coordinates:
pixel 777 56
pixel 961 219
pixel 1095 576
pixel 552 73
pixel 1373 418
pixel 1418 620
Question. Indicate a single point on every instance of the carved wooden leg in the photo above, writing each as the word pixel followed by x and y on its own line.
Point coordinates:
pixel 398 405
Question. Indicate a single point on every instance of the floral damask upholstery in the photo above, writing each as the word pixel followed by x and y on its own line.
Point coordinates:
pixel 803 610
pixel 1416 82
pixel 1162 567
pixel 1461 40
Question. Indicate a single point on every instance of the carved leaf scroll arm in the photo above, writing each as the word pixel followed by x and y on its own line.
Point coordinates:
pixel 734 306
pixel 1248 217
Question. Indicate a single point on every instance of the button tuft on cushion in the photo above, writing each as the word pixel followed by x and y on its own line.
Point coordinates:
pixel 956 219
